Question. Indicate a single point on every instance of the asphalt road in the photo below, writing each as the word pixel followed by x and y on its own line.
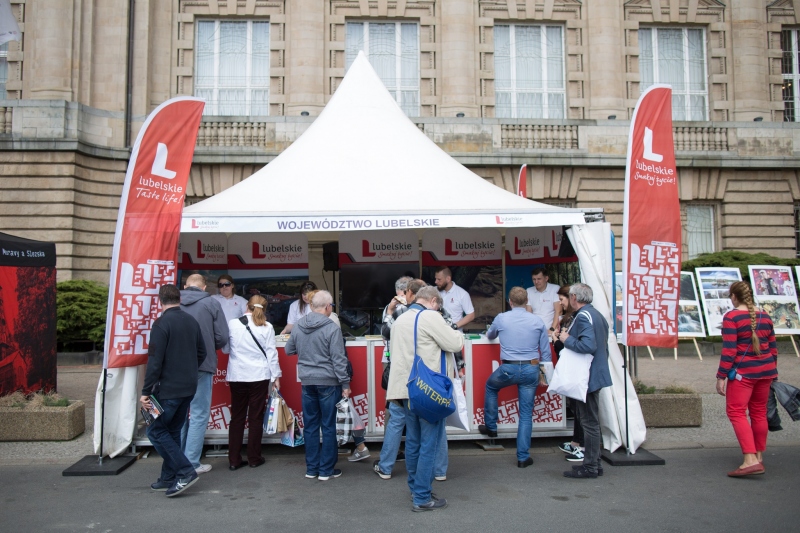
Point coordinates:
pixel 485 491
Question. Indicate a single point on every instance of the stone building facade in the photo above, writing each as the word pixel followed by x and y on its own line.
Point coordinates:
pixel 495 83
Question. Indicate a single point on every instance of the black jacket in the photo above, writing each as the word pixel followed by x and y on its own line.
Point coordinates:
pixel 176 352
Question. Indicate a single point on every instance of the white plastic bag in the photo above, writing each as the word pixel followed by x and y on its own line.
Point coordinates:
pixel 571 374
pixel 273 413
pixel 460 417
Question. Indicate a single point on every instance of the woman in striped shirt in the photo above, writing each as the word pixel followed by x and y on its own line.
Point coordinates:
pixel 748 346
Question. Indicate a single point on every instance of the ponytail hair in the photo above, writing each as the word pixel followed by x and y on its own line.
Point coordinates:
pixel 258 306
pixel 744 295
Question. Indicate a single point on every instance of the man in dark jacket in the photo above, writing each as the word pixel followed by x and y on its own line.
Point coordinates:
pixel 589 335
pixel 322 370
pixel 214 328
pixel 176 351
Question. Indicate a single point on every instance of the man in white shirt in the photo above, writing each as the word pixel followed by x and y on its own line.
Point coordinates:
pixel 543 299
pixel 456 300
pixel 233 305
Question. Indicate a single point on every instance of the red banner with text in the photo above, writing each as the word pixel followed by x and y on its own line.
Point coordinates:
pixel 145 254
pixel 651 250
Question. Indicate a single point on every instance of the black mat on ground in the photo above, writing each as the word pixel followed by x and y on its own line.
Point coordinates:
pixel 641 458
pixel 90 466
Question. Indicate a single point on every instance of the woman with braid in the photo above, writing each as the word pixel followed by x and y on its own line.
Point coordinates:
pixel 748 346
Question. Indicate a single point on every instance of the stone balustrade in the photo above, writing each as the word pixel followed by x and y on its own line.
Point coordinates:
pixel 6 119
pixel 700 138
pixel 227 134
pixel 539 136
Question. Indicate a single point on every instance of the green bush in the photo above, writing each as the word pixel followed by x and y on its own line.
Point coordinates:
pixel 677 389
pixel 81 311
pixel 641 388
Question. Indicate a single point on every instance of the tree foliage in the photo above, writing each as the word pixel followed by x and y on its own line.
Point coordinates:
pixel 81 311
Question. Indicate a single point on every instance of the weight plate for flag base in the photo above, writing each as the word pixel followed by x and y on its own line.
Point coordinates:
pixel 622 458
pixel 90 466
pixel 490 445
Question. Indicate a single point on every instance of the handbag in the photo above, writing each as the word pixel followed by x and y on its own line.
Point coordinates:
pixel 571 374
pixel 732 372
pixel 293 436
pixel 430 393
pixel 788 397
pixel 460 417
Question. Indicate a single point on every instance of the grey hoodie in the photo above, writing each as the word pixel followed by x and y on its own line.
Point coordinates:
pixel 208 313
pixel 321 359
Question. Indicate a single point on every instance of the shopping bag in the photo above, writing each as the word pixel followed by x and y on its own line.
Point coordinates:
pixel 571 374
pixel 285 417
pixel 773 418
pixel 344 422
pixel 430 393
pixel 293 436
pixel 460 417
pixel 273 411
pixel 358 424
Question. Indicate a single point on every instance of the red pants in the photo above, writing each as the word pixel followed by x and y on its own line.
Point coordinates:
pixel 248 401
pixel 748 395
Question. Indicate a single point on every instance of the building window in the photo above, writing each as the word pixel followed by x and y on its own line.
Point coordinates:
pixel 232 67
pixel 676 56
pixel 3 70
pixel 529 72
pixel 393 51
pixel 699 229
pixel 791 74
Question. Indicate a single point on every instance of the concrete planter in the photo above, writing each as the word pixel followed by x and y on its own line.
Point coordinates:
pixel 672 410
pixel 43 423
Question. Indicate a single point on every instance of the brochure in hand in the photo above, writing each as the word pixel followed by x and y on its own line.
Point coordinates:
pixel 153 412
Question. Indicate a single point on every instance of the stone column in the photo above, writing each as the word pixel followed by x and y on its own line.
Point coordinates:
pixel 605 59
pixel 305 57
pixel 459 62
pixel 49 49
pixel 750 71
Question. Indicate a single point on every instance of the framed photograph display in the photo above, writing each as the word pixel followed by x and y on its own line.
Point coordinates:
pixel 714 283
pixel 774 291
pixel 690 323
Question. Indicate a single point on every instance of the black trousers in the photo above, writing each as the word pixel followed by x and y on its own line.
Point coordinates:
pixel 248 401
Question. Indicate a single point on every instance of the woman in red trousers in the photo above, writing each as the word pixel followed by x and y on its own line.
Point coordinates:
pixel 748 346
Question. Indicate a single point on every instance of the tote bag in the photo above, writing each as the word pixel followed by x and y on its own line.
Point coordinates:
pixel 571 374
pixel 430 393
pixel 460 417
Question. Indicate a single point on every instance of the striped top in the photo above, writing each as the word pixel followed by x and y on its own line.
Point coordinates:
pixel 736 334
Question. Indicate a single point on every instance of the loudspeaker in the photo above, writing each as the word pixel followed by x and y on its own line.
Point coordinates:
pixel 330 256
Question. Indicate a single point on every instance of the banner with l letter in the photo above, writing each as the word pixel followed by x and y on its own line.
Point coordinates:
pixel 651 232
pixel 144 257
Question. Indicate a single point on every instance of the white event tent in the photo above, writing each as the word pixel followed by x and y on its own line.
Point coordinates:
pixel 363 165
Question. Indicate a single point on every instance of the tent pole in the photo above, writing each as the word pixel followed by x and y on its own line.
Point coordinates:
pixel 103 414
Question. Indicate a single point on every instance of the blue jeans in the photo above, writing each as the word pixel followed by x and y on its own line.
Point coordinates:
pixel 440 465
pixel 392 435
pixel 423 440
pixel 165 435
pixel 194 430
pixel 526 378
pixel 319 411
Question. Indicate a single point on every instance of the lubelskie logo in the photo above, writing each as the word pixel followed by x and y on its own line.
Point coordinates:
pixel 502 220
pixel 213 248
pixel 370 249
pixel 198 224
pixel 455 247
pixel 260 251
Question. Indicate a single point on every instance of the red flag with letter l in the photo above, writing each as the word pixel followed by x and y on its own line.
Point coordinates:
pixel 651 243
pixel 145 254
pixel 522 181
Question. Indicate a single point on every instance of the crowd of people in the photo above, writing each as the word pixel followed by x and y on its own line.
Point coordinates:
pixel 541 321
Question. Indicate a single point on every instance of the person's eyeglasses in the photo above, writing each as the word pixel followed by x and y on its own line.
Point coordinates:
pixel 220 285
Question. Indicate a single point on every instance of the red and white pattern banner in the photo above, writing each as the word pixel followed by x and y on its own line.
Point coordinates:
pixel 145 254
pixel 651 249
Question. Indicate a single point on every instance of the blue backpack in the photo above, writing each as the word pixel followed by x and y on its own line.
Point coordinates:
pixel 430 394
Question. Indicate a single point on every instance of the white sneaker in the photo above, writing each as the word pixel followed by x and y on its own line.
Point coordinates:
pixel 202 469
pixel 575 456
pixel 359 455
pixel 440 478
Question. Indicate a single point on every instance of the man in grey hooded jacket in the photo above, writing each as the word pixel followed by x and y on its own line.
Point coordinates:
pixel 322 370
pixel 208 313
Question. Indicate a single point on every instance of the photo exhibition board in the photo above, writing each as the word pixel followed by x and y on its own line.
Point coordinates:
pixel 775 293
pixel 714 283
pixel 690 321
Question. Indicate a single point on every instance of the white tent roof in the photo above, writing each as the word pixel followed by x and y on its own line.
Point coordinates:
pixel 363 164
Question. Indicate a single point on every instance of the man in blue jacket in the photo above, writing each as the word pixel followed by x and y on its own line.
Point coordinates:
pixel 589 335
pixel 175 352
